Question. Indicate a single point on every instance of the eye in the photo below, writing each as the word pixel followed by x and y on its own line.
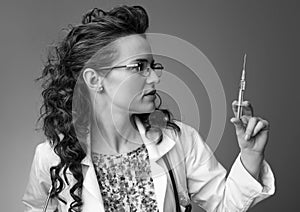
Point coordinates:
pixel 142 66
pixel 138 67
pixel 134 67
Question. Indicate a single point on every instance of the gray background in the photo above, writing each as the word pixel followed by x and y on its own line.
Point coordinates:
pixel 223 30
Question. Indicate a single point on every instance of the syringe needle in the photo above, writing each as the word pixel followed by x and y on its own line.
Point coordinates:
pixel 244 64
pixel 244 68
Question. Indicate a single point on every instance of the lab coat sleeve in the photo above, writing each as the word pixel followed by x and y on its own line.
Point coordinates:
pixel 212 190
pixel 39 183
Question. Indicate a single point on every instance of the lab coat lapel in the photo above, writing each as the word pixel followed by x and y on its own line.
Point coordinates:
pixel 91 195
pixel 156 151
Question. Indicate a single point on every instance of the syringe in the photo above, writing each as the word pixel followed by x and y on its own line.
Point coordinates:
pixel 242 89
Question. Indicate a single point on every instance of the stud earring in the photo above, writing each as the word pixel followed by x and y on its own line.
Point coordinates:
pixel 100 88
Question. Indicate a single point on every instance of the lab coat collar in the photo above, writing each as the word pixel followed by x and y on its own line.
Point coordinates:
pixel 155 151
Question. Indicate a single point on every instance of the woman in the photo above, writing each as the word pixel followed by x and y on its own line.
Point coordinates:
pixel 110 148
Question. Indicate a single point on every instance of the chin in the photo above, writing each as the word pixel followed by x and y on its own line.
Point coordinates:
pixel 145 108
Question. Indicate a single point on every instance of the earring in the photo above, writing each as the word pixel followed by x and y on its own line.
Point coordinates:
pixel 100 88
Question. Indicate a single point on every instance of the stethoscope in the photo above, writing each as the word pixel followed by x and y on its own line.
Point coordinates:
pixel 47 200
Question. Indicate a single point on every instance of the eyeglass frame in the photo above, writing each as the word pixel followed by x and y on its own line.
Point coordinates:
pixel 137 65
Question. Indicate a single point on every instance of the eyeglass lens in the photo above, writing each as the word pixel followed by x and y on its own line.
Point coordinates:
pixel 143 68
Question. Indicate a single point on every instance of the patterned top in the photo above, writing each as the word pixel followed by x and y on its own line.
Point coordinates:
pixel 125 181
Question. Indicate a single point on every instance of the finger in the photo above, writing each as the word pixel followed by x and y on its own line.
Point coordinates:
pixel 239 125
pixel 261 125
pixel 247 108
pixel 250 127
pixel 245 120
pixel 266 123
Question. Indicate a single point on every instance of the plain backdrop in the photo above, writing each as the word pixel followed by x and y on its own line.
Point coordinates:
pixel 267 30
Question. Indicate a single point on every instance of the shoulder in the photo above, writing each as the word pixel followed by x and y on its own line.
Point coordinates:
pixel 45 149
pixel 188 132
pixel 45 156
pixel 191 141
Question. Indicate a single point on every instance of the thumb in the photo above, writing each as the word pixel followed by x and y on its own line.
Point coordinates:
pixel 239 126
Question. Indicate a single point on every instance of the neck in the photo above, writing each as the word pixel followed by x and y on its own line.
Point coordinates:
pixel 113 133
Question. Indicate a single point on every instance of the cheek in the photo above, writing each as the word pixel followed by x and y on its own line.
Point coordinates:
pixel 129 91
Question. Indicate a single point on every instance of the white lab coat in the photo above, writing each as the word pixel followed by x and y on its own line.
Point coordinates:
pixel 199 177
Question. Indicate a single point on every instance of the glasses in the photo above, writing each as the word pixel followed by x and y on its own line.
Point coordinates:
pixel 143 68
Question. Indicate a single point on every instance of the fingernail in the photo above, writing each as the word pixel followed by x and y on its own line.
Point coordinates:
pixel 233 120
pixel 247 137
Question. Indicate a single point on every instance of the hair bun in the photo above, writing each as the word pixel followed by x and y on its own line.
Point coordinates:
pixel 93 16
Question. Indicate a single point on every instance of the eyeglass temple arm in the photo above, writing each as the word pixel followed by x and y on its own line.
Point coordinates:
pixel 123 66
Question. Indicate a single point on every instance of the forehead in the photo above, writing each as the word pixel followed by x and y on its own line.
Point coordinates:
pixel 132 47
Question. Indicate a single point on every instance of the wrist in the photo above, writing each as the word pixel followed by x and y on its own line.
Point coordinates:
pixel 252 153
pixel 252 161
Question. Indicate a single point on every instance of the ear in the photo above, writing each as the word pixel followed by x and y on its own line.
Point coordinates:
pixel 91 78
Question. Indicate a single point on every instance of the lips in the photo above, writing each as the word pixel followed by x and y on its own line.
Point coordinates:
pixel 153 92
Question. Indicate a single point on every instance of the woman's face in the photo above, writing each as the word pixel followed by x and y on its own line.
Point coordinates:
pixel 126 89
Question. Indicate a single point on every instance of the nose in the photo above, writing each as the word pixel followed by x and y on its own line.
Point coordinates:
pixel 153 78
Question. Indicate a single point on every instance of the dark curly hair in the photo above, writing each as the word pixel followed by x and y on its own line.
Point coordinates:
pixel 62 72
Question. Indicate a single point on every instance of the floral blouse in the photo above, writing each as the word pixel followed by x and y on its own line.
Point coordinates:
pixel 125 181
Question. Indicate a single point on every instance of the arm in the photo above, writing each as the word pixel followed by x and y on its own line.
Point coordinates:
pixel 39 183
pixel 209 187
pixel 252 163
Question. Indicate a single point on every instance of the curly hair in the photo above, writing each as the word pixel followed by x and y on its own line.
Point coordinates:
pixel 62 72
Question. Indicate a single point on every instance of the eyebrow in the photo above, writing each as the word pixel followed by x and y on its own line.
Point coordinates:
pixel 142 60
